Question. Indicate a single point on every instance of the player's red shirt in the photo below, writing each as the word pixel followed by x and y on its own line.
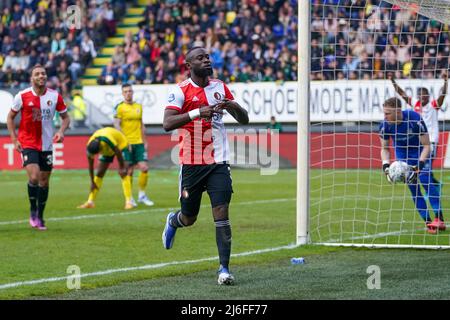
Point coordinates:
pixel 37 112
pixel 201 142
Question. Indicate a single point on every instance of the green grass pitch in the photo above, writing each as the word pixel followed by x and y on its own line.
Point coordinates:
pixel 121 254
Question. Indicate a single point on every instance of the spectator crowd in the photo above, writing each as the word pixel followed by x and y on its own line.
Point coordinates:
pixel 39 31
pixel 371 39
pixel 248 40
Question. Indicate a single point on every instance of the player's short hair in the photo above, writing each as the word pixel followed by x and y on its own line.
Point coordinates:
pixel 36 66
pixel 190 50
pixel 393 103
pixel 126 85
pixel 94 146
pixel 423 90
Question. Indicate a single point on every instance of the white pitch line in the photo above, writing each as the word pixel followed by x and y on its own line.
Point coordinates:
pixel 380 235
pixel 126 213
pixel 144 267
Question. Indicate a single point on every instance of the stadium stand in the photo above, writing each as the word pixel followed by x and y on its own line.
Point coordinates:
pixel 37 31
pixel 249 41
pixel 365 39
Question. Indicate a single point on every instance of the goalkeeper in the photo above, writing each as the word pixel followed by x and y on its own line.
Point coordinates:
pixel 411 142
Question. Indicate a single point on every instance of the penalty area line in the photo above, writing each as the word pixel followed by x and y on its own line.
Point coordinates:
pixel 138 268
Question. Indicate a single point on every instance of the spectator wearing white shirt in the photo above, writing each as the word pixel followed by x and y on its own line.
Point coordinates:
pixel 88 51
pixel 11 61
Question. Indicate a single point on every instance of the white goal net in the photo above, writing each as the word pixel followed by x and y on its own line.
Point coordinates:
pixel 356 48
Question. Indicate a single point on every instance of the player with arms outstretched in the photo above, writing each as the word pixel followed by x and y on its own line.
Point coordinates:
pixel 195 107
pixel 109 143
pixel 411 142
pixel 128 119
pixel 37 106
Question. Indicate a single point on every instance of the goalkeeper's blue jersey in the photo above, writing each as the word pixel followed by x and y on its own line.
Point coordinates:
pixel 405 136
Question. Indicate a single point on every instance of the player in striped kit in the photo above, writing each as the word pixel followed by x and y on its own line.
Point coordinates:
pixel 195 107
pixel 37 106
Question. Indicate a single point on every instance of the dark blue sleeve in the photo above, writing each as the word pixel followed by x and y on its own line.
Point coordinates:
pixel 382 132
pixel 422 127
pixel 419 125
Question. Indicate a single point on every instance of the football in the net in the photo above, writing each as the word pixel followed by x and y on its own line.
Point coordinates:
pixel 398 171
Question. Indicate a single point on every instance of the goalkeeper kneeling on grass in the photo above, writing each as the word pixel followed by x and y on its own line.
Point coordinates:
pixel 412 145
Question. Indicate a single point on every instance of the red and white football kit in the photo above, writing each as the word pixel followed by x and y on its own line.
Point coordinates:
pixel 37 112
pixel 201 141
pixel 204 149
pixel 429 115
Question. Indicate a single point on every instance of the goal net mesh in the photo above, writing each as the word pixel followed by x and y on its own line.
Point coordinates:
pixel 356 47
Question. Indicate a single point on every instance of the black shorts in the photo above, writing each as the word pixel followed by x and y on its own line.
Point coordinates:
pixel 213 178
pixel 43 158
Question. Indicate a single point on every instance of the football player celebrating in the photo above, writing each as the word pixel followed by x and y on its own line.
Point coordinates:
pixel 195 108
pixel 37 106
pixel 412 145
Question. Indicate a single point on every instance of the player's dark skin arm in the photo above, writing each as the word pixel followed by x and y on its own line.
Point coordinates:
pixel 122 168
pixel 12 129
pixel 400 91
pixel 233 108
pixel 440 100
pixel 174 120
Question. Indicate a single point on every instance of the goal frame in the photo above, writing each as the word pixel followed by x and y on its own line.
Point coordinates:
pixel 303 142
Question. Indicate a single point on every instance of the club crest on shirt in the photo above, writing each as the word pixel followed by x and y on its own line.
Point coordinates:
pixel 218 96
pixel 49 103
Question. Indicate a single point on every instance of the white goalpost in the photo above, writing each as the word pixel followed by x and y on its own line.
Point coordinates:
pixel 348 51
pixel 303 125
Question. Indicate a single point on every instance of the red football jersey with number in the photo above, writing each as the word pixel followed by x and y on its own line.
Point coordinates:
pixel 37 112
pixel 201 141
